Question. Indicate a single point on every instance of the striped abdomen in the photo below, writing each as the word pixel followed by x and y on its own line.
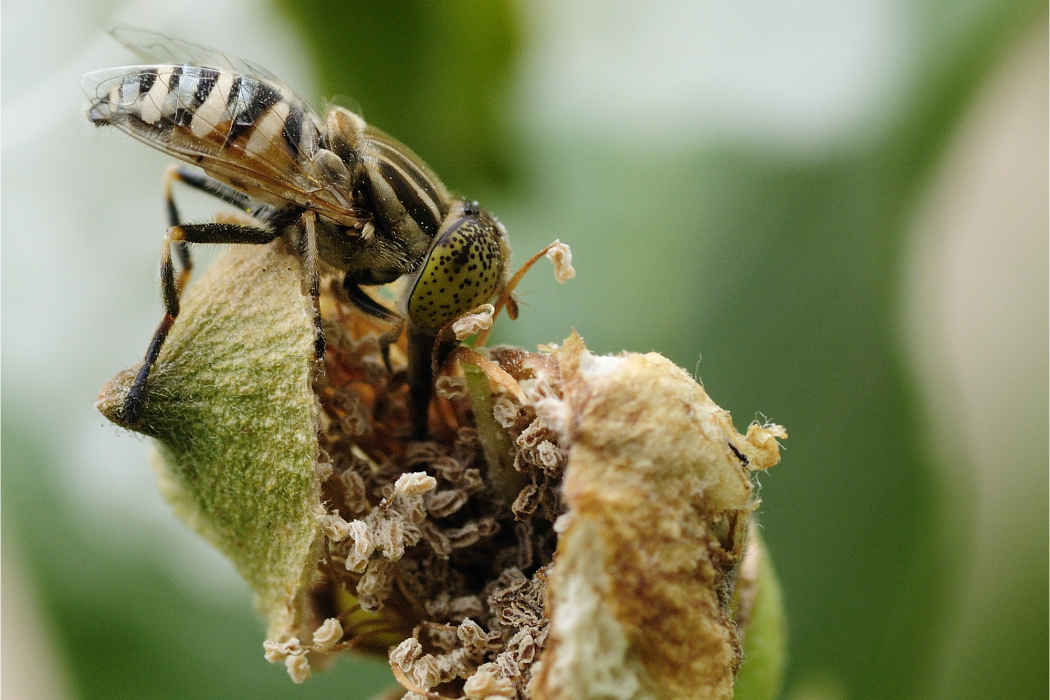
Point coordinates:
pixel 229 124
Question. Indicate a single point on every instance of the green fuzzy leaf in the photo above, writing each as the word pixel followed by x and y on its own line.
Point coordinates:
pixel 765 638
pixel 231 407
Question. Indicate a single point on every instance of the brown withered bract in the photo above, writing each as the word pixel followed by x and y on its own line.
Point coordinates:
pixel 573 527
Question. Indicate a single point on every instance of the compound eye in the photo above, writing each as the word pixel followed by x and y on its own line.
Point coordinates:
pixel 464 269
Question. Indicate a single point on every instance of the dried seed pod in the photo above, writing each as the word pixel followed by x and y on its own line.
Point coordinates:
pixel 444 550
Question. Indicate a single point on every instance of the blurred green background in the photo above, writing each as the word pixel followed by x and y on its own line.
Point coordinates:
pixel 835 213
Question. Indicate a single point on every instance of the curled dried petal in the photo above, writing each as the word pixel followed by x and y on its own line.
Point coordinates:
pixel 390 537
pixel 405 653
pixel 550 456
pixel 414 484
pixel 298 668
pixel 486 684
pixel 478 320
pixel 335 527
pixel 462 537
pixel 328 634
pixel 471 634
pixel 356 498
pixel 375 584
pixel 450 388
pixel 560 254
pixel 278 651
pixel 445 503
pixel 505 412
pixel 436 538
pixel 450 469
pixel 363 546
pixel 471 481
pixel 526 502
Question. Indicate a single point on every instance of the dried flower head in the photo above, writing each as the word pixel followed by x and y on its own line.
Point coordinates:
pixel 573 528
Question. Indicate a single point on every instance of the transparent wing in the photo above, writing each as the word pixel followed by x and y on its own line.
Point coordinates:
pixel 240 129
pixel 154 47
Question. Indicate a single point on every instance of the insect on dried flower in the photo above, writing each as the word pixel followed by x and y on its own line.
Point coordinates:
pixel 574 527
pixel 340 192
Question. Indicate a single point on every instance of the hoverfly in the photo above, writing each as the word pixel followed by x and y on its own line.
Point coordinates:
pixel 337 190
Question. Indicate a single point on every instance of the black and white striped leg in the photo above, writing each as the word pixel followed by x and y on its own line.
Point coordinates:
pixel 171 291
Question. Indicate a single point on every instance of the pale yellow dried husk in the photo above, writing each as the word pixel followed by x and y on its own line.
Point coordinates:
pixel 652 482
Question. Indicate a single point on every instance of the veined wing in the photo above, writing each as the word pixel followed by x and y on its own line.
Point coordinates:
pixel 232 117
pixel 156 48
pixel 242 130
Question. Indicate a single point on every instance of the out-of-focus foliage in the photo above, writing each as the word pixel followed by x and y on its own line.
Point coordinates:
pixel 782 272
pixel 433 73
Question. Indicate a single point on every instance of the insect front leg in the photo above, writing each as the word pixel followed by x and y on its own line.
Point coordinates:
pixel 171 290
pixel 373 308
pixel 201 183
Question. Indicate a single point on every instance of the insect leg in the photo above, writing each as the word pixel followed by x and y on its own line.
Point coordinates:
pixel 171 290
pixel 202 183
pixel 308 246
pixel 421 354
pixel 372 307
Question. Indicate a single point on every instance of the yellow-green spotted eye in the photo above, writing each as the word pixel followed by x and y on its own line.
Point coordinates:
pixel 463 270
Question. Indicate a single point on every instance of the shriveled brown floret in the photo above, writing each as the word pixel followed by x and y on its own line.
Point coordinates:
pixel 572 520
